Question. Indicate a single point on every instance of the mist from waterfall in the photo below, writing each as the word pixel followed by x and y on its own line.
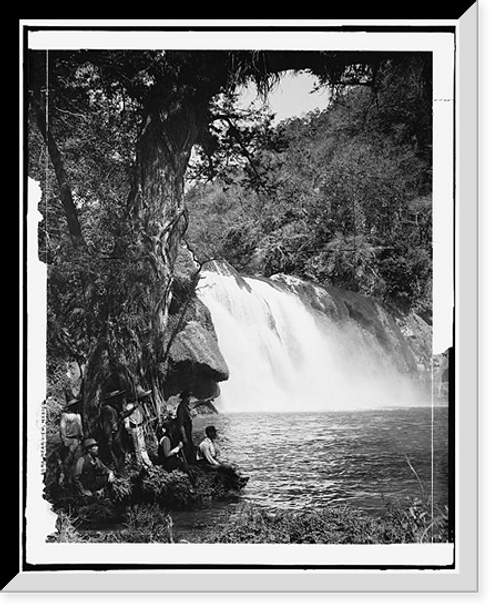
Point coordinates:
pixel 285 356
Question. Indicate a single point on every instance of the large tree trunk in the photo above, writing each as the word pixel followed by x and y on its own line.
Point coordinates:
pixel 157 201
pixel 168 134
pixel 157 222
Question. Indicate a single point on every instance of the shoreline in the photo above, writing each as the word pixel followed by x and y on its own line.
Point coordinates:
pixel 139 493
pixel 252 524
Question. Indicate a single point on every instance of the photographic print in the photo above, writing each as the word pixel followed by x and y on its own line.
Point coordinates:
pixel 240 280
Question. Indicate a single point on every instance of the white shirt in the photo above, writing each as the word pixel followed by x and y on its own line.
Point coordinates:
pixel 208 450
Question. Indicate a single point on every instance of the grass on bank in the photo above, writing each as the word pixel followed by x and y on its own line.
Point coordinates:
pixel 399 523
pixel 408 522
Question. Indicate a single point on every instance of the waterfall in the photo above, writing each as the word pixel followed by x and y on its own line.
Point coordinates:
pixel 285 356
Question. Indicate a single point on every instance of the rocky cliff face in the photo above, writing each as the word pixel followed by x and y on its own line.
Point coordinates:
pixel 408 337
pixel 194 360
pixel 403 339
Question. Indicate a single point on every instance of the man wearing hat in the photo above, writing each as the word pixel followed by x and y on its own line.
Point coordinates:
pixel 110 415
pixel 135 417
pixel 91 474
pixel 71 434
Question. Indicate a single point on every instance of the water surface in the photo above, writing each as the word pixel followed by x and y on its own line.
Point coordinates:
pixel 320 459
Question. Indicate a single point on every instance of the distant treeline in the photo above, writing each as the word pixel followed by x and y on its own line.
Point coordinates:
pixel 341 196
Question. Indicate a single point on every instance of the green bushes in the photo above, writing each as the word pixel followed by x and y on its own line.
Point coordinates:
pixel 153 489
pixel 145 523
pixel 168 490
pixel 344 197
pixel 411 522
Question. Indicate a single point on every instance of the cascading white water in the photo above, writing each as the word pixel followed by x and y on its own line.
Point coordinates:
pixel 284 357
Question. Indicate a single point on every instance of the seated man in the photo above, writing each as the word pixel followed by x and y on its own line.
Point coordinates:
pixel 170 455
pixel 91 474
pixel 207 455
pixel 170 450
pixel 208 450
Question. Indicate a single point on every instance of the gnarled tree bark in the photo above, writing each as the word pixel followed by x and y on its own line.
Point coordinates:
pixel 157 222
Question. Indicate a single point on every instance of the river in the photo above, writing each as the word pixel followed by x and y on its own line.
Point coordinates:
pixel 318 459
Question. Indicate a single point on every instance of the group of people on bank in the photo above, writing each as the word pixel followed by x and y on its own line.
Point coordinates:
pixel 119 421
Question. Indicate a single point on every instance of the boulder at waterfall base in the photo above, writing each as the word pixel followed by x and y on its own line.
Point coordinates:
pixel 196 362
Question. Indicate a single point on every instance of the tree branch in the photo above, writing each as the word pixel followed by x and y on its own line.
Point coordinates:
pixel 235 133
pixel 62 179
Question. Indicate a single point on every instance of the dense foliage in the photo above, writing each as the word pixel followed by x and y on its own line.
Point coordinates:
pixel 407 522
pixel 402 522
pixel 341 196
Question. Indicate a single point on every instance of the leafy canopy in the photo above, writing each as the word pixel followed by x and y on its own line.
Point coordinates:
pixel 339 197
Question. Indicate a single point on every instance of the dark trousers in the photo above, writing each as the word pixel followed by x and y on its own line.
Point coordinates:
pixel 174 462
pixel 188 449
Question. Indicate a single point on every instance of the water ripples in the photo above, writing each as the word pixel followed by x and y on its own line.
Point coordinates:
pixel 328 458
